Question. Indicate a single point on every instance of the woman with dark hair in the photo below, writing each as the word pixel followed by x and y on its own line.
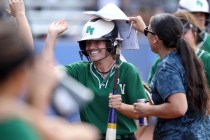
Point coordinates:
pixel 179 88
pixel 191 33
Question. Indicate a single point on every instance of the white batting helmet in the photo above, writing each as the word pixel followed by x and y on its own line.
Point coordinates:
pixel 98 29
pixel 194 5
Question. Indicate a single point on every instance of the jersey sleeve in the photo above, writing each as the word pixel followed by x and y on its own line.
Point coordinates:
pixel 134 87
pixel 74 69
pixel 169 82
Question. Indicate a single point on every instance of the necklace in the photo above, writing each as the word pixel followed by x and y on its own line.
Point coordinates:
pixel 105 71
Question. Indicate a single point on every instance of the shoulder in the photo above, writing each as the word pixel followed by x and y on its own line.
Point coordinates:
pixel 206 54
pixel 76 68
pixel 203 55
pixel 127 66
pixel 77 65
pixel 205 35
pixel 171 61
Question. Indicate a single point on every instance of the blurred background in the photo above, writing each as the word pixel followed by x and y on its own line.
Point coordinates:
pixel 41 13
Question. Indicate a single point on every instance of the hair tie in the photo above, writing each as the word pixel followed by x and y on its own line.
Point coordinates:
pixel 178 37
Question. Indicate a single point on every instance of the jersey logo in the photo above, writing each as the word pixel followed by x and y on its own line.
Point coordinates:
pixel 199 3
pixel 122 88
pixel 90 30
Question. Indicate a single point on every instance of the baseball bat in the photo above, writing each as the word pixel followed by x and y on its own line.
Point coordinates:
pixel 111 131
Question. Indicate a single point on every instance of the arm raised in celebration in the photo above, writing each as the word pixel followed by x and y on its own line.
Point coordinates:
pixel 54 30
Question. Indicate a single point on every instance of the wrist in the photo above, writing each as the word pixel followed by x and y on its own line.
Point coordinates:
pixel 120 108
pixel 52 34
pixel 150 111
pixel 19 14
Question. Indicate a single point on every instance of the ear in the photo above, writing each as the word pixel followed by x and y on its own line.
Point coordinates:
pixel 155 39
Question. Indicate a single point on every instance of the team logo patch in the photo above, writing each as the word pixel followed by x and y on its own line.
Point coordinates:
pixel 90 30
pixel 199 3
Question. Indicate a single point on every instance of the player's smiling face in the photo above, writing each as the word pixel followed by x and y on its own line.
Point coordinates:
pixel 96 49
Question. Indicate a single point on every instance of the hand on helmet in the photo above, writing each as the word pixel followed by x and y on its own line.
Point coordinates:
pixel 58 27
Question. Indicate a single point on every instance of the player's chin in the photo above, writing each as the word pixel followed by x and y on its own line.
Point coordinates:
pixel 95 58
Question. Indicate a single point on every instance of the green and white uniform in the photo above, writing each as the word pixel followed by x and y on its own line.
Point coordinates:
pixel 201 54
pixel 205 44
pixel 97 112
pixel 205 58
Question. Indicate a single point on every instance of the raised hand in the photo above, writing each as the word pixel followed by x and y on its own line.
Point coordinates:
pixel 54 29
pixel 138 23
pixel 16 7
pixel 58 27
pixel 17 10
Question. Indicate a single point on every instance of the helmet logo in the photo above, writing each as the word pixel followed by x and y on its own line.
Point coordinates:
pixel 90 30
pixel 199 3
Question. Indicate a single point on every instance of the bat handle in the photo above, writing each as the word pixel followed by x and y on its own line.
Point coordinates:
pixel 111 128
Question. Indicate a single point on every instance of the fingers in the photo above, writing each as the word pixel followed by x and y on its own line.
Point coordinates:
pixel 136 19
pixel 17 7
pixel 138 106
pixel 58 27
pixel 138 23
pixel 15 1
pixel 61 22
pixel 10 1
pixel 133 18
pixel 8 11
pixel 114 104
pixel 115 101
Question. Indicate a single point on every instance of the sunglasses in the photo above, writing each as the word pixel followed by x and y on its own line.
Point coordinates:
pixel 146 31
pixel 187 26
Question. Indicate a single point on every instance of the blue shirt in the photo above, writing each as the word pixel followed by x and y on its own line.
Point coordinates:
pixel 170 79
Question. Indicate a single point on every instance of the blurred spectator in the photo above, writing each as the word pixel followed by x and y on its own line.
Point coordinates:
pixel 20 70
pixel 18 67
pixel 200 9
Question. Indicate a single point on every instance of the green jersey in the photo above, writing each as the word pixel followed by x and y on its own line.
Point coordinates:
pixel 205 44
pixel 17 129
pixel 97 112
pixel 205 58
pixel 201 54
pixel 153 69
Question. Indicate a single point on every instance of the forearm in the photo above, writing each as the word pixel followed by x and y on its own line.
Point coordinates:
pixel 165 110
pixel 48 51
pixel 128 110
pixel 24 30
